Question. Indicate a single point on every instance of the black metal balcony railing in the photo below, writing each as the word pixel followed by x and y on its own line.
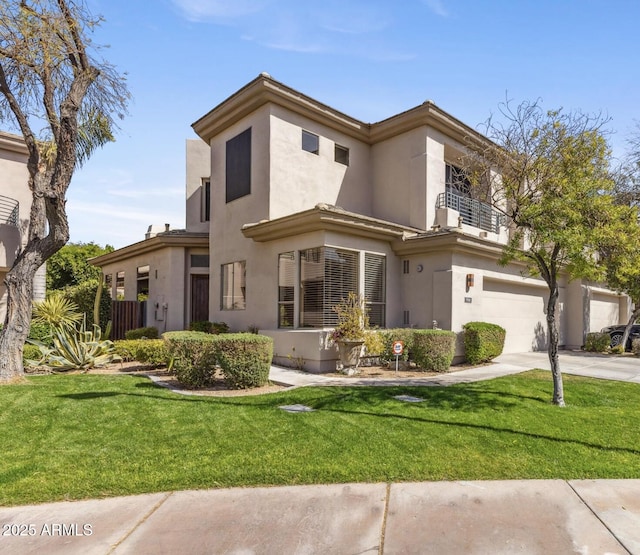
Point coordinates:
pixel 8 210
pixel 473 212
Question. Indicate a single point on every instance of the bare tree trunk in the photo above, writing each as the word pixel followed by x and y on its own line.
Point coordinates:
pixel 634 316
pixel 19 283
pixel 552 326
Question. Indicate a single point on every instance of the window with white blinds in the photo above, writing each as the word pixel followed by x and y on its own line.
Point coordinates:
pixel 375 288
pixel 286 288
pixel 327 275
pixel 233 286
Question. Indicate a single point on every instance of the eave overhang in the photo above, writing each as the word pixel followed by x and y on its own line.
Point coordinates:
pixel 160 241
pixel 13 143
pixel 324 217
pixel 264 89
pixel 447 240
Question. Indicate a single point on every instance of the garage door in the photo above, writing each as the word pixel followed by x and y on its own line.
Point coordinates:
pixel 520 310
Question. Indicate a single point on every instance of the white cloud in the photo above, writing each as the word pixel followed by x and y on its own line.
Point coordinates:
pixel 437 7
pixel 206 10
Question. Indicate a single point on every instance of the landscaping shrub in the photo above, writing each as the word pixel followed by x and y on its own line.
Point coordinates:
pixel 150 351
pixel 30 352
pixel 482 341
pixel 597 342
pixel 433 350
pixel 373 343
pixel 397 334
pixel 209 327
pixel 149 332
pixel 193 356
pixel 84 296
pixel 40 331
pixel 245 359
pixel 635 347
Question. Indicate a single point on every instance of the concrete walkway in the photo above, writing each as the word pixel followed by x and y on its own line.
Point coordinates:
pixel 528 517
pixel 621 368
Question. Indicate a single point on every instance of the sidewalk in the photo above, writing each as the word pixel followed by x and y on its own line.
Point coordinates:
pixel 531 517
pixel 528 516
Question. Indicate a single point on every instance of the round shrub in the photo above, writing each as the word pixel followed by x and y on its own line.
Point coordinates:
pixel 193 356
pixel 433 350
pixel 483 341
pixel 245 359
pixel 30 352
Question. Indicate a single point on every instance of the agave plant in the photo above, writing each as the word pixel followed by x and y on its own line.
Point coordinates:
pixel 76 348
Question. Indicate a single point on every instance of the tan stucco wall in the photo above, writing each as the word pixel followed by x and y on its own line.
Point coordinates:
pixel 168 307
pixel 14 184
pixel 300 179
pixel 198 167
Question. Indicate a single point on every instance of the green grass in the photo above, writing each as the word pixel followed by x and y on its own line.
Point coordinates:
pixel 83 436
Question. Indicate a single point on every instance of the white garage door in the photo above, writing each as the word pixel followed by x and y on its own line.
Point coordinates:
pixel 520 310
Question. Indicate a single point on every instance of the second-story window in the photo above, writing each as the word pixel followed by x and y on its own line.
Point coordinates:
pixel 457 181
pixel 342 155
pixel 206 200
pixel 310 142
pixel 238 166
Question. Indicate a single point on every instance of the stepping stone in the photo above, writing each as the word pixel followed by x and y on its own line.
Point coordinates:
pixel 297 408
pixel 408 398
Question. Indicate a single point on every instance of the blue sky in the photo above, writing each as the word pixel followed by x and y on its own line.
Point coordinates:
pixel 368 58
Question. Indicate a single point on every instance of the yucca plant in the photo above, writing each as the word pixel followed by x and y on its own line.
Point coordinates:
pixel 57 311
pixel 76 348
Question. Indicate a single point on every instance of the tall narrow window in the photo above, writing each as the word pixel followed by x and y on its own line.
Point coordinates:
pixel 375 288
pixel 238 166
pixel 120 286
pixel 233 286
pixel 457 181
pixel 142 277
pixel 206 200
pixel 310 142
pixel 286 287
pixel 327 275
pixel 108 283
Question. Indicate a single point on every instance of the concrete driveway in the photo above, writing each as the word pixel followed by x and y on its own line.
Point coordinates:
pixel 624 368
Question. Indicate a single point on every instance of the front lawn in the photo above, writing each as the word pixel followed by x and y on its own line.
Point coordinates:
pixel 83 436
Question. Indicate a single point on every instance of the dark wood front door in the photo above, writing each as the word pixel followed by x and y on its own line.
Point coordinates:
pixel 199 298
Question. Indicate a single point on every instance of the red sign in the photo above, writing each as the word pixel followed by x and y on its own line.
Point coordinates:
pixel 398 347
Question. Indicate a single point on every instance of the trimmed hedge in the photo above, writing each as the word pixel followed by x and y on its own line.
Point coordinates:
pixel 433 350
pixel 482 341
pixel 597 342
pixel 245 359
pixel 150 332
pixel 193 356
pixel 151 351
pixel 209 327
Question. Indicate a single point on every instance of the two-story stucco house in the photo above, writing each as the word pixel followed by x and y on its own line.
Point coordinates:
pixel 303 204
pixel 15 205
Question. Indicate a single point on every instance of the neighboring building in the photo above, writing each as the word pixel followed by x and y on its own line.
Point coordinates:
pixel 15 206
pixel 169 268
pixel 305 204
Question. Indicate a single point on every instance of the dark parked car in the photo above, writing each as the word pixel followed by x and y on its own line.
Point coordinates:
pixel 616 333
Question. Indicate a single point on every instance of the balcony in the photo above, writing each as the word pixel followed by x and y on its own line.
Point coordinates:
pixel 473 212
pixel 9 211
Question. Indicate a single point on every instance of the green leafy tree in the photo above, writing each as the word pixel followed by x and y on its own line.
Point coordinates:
pixel 64 100
pixel 70 266
pixel 620 254
pixel 548 173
